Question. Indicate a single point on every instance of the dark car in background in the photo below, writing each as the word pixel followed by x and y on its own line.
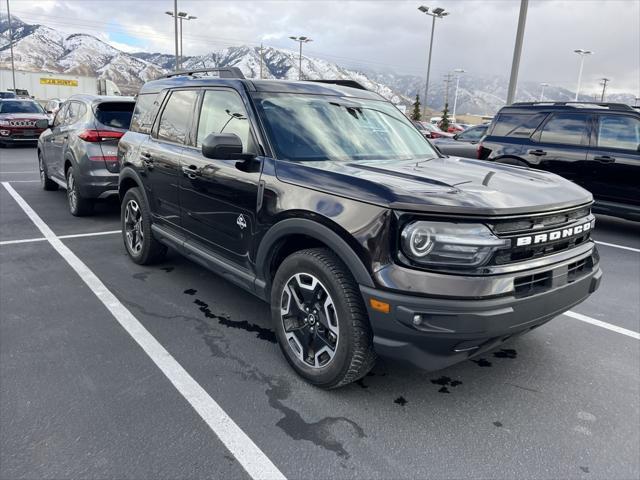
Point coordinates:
pixel 463 144
pixel 21 121
pixel 79 150
pixel 596 145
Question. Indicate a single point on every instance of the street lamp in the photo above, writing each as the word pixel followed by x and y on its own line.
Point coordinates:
pixel 435 13
pixel 542 87
pixel 181 16
pixel 582 54
pixel 300 40
pixel 458 72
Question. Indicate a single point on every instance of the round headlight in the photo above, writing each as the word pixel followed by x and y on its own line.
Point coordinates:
pixel 419 240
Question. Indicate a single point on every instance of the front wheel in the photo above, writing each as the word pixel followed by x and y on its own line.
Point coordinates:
pixel 320 319
pixel 141 246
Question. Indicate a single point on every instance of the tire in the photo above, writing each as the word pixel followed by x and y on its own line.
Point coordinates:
pixel 335 326
pixel 135 220
pixel 45 181
pixel 512 161
pixel 78 205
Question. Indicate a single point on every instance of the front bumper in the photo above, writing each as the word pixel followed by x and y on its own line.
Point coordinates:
pixel 8 135
pixel 433 333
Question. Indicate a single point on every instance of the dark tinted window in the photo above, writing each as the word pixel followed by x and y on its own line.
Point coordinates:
pixel 565 128
pixel 176 116
pixel 7 95
pixel 115 114
pixel 75 112
pixel 223 112
pixel 516 124
pixel 145 112
pixel 619 131
pixel 18 106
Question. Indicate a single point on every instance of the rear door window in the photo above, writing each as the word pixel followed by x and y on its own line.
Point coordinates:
pixel 517 124
pixel 619 131
pixel 115 114
pixel 566 128
pixel 176 116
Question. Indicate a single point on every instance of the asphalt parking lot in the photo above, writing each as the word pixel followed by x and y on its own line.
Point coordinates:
pixel 83 397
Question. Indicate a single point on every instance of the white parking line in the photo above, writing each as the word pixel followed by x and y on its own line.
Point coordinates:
pixel 23 171
pixel 600 323
pixel 42 239
pixel 24 181
pixel 619 246
pixel 252 459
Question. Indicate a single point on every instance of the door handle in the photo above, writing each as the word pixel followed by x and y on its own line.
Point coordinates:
pixel 604 159
pixel 191 172
pixel 537 153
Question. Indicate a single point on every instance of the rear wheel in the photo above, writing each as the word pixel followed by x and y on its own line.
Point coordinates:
pixel 45 181
pixel 141 246
pixel 320 319
pixel 78 205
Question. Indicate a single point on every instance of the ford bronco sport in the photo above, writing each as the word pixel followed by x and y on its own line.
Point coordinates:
pixel 322 199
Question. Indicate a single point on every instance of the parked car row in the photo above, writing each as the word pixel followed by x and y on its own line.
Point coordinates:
pixel 323 200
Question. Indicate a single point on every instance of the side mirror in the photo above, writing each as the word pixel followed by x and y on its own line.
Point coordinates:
pixel 43 123
pixel 222 146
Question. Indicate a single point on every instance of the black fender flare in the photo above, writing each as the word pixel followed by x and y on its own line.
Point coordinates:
pixel 293 226
pixel 127 172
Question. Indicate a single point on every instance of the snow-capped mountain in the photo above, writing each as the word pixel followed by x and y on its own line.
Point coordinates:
pixel 40 48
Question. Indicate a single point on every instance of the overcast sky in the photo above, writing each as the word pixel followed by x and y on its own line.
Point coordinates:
pixel 478 35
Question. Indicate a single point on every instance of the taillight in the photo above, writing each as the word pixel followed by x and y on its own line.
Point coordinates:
pixel 94 136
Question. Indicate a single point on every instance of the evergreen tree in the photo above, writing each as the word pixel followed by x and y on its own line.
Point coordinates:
pixel 416 113
pixel 444 123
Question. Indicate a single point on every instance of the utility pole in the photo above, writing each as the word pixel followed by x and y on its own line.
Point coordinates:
pixel 261 54
pixel 458 71
pixel 447 81
pixel 517 51
pixel 13 66
pixel 604 87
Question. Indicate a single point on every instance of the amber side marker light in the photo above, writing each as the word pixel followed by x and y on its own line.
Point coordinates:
pixel 383 307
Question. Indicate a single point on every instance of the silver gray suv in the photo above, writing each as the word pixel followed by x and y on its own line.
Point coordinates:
pixel 78 151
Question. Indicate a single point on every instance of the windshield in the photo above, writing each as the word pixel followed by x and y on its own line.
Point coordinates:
pixel 20 107
pixel 315 127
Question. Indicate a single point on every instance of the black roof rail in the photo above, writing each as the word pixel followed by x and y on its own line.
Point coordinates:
pixel 226 72
pixel 610 106
pixel 344 83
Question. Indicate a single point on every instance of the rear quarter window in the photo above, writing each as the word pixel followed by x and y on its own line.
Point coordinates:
pixel 516 124
pixel 145 112
pixel 115 114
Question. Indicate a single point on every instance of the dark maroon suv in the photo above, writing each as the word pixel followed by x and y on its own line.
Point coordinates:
pixel 18 118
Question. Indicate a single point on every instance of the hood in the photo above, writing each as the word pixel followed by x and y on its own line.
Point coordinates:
pixel 443 185
pixel 23 116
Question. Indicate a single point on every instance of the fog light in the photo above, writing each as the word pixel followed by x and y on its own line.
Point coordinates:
pixel 5 132
pixel 417 320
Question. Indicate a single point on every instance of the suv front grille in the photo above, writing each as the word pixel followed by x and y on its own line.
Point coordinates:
pixel 535 226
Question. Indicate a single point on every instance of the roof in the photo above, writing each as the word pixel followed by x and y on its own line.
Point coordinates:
pixel 253 85
pixel 568 106
pixel 85 97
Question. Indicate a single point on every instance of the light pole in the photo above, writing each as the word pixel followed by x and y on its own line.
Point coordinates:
pixel 435 13
pixel 300 40
pixel 604 87
pixel 180 16
pixel 13 67
pixel 458 72
pixel 517 51
pixel 582 54
pixel 542 87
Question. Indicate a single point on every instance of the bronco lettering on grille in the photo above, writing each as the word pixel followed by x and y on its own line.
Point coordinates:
pixel 552 236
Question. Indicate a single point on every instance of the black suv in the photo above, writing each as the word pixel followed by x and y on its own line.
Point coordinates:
pixel 596 145
pixel 325 201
